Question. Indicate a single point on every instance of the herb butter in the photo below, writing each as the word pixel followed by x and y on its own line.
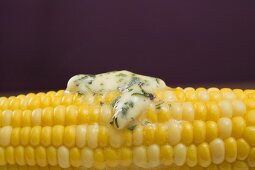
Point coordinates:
pixel 137 92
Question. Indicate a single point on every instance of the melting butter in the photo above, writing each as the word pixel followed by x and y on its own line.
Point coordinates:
pixel 136 92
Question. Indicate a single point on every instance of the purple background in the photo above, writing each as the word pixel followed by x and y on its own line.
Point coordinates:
pixel 44 43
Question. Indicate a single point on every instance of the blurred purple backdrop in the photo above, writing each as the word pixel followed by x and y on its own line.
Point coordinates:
pixel 44 43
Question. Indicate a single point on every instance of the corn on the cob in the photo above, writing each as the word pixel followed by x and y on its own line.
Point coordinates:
pixel 210 128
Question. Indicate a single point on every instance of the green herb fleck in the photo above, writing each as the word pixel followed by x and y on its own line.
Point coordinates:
pixel 157 80
pixel 158 106
pixel 115 101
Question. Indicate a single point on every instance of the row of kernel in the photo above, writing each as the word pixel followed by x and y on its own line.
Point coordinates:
pixel 191 111
pixel 94 135
pixel 202 94
pixel 59 115
pixel 150 156
pixel 238 165
pixel 34 101
pixel 52 99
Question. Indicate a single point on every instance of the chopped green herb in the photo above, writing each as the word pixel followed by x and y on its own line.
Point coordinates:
pixel 124 111
pixel 158 106
pixel 116 122
pixel 115 101
pixel 157 80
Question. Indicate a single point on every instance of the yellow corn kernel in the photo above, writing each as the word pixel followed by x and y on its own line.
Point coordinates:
pixel 176 110
pixel 202 94
pixel 35 135
pixel 81 133
pixel 47 116
pixel 75 157
pixel 149 134
pixel 213 111
pixel 224 127
pixel 251 158
pixel 190 94
pixel 138 135
pixel 199 131
pixel 33 102
pixel 152 115
pixel 29 153
pixel 217 150
pixel 67 99
pixel 63 157
pixel 139 157
pixel 83 114
pixel 59 115
pixel 87 158
pixel 188 111
pixel 2 157
pixel 37 117
pixel 250 118
pixel 228 94
pixel 103 136
pixel 192 155
pixel 14 103
pixel 225 166
pixel 4 103
pixel 56 100
pixel 204 157
pixel 57 135
pixel 225 108
pixel 9 155
pixel 174 132
pixel 161 133
pixel 69 136
pixel 230 150
pixel 240 165
pixel 46 136
pixel 238 126
pixel 25 133
pixel 6 118
pixel 200 111
pixel 71 115
pixel 249 135
pixel 15 136
pixel 125 156
pixel 180 152
pixel 111 157
pixel 153 156
pixel 166 155
pixel 99 159
pixel 52 156
pixel 163 113
pixel 19 155
pixel 92 136
pixel 5 135
pixel 127 138
pixel 105 115
pixel 187 133
pixel 94 111
pixel 40 156
pixel 26 118
pixel 239 108
pixel 45 101
pixel 243 149
pixel 211 131
pixel 16 118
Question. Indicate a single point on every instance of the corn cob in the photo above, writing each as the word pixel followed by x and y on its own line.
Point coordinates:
pixel 193 128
